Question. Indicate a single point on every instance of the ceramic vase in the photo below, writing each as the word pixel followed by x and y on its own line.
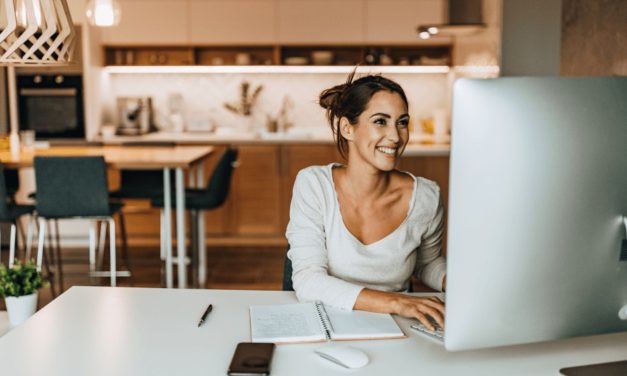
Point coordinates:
pixel 20 308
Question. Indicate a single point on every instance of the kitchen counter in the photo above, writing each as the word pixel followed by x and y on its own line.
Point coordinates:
pixel 211 138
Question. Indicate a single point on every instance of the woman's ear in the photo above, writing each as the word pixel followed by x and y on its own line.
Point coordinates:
pixel 346 129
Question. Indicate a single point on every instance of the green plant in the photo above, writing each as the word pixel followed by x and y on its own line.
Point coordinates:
pixel 22 279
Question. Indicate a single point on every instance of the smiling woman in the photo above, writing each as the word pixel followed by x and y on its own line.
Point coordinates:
pixel 359 231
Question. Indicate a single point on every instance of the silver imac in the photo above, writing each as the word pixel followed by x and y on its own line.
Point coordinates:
pixel 538 196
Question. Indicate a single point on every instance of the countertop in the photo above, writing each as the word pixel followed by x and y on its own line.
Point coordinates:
pixel 211 138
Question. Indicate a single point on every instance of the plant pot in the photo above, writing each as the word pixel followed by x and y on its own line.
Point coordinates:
pixel 21 308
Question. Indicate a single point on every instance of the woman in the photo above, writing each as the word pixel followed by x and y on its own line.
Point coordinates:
pixel 358 231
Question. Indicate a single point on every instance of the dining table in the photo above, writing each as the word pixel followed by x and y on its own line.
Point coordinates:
pixel 145 157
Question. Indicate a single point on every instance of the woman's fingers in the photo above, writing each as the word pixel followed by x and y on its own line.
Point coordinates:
pixel 435 315
pixel 424 320
pixel 434 304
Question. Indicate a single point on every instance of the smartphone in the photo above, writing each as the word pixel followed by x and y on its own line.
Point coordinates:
pixel 251 359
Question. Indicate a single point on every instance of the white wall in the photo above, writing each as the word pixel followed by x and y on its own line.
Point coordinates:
pixel 204 94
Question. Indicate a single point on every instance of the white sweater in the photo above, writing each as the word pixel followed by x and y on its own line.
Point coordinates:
pixel 331 265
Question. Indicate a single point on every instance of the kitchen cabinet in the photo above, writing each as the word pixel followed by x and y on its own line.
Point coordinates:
pixel 320 21
pixel 395 21
pixel 166 23
pixel 257 209
pixel 232 22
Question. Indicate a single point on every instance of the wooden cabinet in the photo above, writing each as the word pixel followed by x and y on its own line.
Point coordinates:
pixel 256 192
pixel 232 21
pixel 257 209
pixel 396 21
pixel 320 21
pixel 150 22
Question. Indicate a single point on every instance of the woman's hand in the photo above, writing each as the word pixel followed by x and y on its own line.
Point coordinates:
pixel 420 308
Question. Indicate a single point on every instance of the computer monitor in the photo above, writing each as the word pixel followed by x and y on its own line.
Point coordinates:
pixel 538 195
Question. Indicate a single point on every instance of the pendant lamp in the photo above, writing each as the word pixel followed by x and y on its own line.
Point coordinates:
pixel 103 13
pixel 35 32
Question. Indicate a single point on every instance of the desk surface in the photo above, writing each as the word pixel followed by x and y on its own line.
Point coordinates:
pixel 133 331
pixel 128 157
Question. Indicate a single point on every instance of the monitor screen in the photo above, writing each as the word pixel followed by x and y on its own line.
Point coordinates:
pixel 538 195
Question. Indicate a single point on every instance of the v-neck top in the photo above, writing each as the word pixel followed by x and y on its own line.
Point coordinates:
pixel 331 265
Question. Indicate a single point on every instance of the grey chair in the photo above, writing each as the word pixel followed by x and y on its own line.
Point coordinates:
pixel 211 197
pixel 76 187
pixel 11 212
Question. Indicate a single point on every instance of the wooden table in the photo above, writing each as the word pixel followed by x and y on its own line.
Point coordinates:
pixel 144 158
pixel 137 331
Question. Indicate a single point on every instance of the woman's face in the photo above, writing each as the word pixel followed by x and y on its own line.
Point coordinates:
pixel 381 133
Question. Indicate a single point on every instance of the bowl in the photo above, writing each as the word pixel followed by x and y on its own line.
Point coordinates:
pixel 322 57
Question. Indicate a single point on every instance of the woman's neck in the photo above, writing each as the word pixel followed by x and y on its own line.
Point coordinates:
pixel 363 181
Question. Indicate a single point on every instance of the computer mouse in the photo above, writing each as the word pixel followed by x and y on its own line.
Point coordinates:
pixel 348 357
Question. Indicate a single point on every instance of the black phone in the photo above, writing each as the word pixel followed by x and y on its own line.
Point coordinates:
pixel 251 359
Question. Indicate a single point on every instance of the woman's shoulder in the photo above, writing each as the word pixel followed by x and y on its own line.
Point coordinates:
pixel 314 178
pixel 315 173
pixel 424 189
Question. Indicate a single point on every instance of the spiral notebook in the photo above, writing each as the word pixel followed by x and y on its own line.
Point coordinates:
pixel 313 322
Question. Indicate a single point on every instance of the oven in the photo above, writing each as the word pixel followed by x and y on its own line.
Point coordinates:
pixel 51 105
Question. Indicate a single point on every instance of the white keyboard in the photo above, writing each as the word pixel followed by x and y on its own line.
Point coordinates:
pixel 437 334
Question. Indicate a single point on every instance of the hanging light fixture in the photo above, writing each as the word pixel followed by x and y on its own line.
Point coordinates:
pixel 103 13
pixel 35 32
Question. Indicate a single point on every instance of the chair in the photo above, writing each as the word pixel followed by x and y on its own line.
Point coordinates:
pixel 11 212
pixel 287 272
pixel 76 187
pixel 211 197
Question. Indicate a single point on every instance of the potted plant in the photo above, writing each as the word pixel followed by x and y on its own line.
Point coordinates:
pixel 18 287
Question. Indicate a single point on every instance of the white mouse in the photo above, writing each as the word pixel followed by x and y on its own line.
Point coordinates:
pixel 347 357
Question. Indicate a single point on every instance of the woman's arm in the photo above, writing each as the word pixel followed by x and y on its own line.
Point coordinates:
pixel 307 238
pixel 402 305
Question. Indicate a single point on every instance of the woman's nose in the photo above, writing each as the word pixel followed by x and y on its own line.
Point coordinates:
pixel 392 134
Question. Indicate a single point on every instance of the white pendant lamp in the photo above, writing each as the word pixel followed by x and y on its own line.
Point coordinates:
pixel 35 32
pixel 103 13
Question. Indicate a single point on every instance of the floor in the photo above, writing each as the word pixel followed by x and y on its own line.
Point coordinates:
pixel 241 268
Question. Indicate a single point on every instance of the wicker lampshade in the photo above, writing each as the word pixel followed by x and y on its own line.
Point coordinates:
pixel 35 32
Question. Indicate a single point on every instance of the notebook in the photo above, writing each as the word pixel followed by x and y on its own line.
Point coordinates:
pixel 313 322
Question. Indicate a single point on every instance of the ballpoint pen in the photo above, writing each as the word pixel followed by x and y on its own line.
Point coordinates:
pixel 204 315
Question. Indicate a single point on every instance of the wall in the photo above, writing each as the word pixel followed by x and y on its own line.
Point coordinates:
pixel 594 38
pixel 205 94
pixel 530 43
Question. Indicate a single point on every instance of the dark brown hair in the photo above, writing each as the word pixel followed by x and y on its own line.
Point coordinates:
pixel 350 99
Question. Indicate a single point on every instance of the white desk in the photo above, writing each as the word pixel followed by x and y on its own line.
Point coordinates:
pixel 132 331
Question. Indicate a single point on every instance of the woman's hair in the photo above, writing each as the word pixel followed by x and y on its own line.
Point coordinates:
pixel 350 99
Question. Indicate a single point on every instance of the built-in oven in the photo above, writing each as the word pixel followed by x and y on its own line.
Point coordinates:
pixel 51 105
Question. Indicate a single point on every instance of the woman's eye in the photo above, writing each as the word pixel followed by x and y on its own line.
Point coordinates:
pixel 403 124
pixel 380 121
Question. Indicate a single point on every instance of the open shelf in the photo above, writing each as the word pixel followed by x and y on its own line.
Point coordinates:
pixel 284 55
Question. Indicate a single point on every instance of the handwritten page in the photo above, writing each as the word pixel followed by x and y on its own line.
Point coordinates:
pixel 286 323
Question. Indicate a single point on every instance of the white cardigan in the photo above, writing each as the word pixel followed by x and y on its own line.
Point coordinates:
pixel 331 265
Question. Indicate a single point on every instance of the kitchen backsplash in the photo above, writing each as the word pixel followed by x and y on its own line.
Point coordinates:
pixel 203 96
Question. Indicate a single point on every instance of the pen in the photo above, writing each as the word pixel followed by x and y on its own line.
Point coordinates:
pixel 204 315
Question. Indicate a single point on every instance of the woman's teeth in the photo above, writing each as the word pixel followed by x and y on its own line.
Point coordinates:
pixel 388 151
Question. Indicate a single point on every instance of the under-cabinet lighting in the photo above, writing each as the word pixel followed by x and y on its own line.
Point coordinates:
pixel 435 69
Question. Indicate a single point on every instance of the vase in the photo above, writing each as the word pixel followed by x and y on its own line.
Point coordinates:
pixel 20 308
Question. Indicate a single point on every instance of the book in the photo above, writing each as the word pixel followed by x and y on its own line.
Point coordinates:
pixel 313 322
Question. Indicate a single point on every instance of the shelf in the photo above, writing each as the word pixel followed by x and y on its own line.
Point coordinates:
pixel 280 55
pixel 276 69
